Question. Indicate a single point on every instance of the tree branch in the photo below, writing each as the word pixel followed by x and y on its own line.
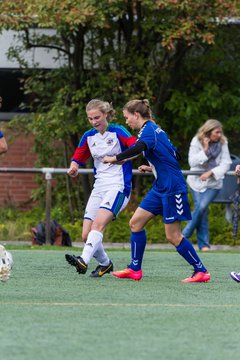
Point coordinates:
pixel 31 45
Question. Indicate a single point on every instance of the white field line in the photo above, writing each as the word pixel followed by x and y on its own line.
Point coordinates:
pixel 156 305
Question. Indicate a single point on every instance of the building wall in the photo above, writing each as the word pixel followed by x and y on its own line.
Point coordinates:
pixel 16 188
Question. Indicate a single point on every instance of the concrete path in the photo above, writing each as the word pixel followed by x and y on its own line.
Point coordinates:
pixel 127 245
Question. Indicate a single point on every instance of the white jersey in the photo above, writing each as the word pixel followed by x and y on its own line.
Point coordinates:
pixel 114 140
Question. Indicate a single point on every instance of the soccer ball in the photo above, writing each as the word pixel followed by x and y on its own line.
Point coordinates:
pixel 6 263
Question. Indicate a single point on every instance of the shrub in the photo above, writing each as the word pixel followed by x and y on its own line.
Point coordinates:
pixel 16 225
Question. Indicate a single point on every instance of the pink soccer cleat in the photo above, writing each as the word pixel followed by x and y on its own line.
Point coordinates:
pixel 198 276
pixel 128 274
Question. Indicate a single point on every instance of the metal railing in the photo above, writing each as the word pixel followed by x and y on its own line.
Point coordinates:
pixel 48 172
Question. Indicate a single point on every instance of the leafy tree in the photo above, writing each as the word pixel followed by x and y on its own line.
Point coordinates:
pixel 122 49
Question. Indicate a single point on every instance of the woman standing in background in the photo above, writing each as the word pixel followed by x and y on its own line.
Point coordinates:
pixel 208 153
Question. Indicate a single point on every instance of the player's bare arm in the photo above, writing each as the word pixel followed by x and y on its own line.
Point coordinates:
pixel 127 154
pixel 145 168
pixel 237 170
pixel 110 160
pixel 73 170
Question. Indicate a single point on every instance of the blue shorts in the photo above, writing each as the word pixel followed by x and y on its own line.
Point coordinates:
pixel 172 208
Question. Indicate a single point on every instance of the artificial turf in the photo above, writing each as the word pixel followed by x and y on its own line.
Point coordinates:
pixel 49 311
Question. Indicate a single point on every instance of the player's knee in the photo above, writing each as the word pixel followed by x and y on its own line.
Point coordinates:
pixel 134 225
pixel 174 238
pixel 97 226
pixel 131 224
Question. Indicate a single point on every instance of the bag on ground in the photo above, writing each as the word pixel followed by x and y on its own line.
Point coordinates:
pixel 59 236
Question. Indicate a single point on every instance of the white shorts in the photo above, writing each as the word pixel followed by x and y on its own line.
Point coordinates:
pixel 112 200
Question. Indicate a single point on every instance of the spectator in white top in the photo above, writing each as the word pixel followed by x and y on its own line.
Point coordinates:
pixel 208 153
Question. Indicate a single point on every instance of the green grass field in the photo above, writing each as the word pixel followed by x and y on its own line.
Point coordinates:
pixel 49 311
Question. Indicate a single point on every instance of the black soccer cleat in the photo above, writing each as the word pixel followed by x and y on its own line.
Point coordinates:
pixel 78 262
pixel 70 259
pixel 102 270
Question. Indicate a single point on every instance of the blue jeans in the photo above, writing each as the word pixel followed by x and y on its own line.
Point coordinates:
pixel 200 216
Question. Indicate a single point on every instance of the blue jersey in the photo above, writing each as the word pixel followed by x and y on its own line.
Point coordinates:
pixel 161 154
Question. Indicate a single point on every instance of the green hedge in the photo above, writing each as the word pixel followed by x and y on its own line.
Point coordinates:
pixel 16 225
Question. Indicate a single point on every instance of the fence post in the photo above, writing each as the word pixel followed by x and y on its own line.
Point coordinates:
pixel 48 177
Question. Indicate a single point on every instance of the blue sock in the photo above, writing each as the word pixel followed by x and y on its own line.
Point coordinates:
pixel 187 251
pixel 138 243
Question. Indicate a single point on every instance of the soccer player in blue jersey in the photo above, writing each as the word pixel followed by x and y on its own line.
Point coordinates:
pixel 112 185
pixel 3 143
pixel 236 275
pixel 167 197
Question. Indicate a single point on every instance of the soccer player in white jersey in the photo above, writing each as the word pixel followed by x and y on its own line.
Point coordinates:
pixel 112 186
pixel 168 196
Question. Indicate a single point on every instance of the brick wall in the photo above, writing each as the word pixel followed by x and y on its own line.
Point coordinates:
pixel 16 188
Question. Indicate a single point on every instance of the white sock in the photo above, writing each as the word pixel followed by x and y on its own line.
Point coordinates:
pixel 101 256
pixel 93 240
